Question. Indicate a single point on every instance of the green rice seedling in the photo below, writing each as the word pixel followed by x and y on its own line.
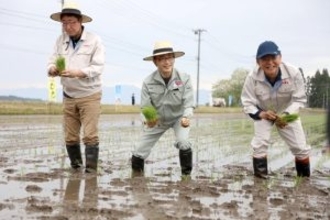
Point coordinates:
pixel 51 150
pixel 289 117
pixel 270 182
pixel 297 181
pixel 265 183
pixel 185 178
pixel 60 64
pixel 22 171
pixel 150 113
pixel 213 178
pixel 237 184
pixel 283 120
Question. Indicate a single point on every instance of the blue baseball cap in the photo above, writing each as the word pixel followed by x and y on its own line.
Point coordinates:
pixel 267 48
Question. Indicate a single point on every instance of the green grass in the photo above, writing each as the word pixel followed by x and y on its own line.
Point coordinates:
pixel 49 108
pixel 41 107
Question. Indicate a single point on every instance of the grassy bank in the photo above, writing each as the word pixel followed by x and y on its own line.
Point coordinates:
pixel 32 108
pixel 35 108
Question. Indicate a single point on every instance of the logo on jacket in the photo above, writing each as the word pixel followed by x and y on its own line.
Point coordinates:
pixel 178 83
pixel 285 81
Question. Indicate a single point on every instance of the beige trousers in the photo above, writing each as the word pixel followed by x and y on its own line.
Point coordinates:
pixel 293 135
pixel 151 135
pixel 82 113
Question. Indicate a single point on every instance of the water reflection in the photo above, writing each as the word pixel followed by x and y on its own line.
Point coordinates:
pixel 142 196
pixel 74 189
pixel 90 192
pixel 260 195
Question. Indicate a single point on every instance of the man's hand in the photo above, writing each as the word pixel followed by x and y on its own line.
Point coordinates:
pixel 73 73
pixel 280 123
pixel 53 72
pixel 185 122
pixel 151 124
pixel 268 115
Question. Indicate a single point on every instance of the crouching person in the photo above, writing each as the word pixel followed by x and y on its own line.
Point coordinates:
pixel 170 93
pixel 272 89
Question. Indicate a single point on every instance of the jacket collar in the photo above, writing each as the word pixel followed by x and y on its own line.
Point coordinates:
pixel 66 37
pixel 259 75
pixel 158 77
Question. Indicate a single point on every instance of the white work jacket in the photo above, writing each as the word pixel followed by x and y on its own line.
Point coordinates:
pixel 287 95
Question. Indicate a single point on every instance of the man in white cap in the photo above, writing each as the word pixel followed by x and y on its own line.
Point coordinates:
pixel 274 88
pixel 170 92
pixel 84 56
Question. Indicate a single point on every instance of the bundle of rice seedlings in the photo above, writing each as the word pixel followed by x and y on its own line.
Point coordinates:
pixel 60 64
pixel 289 117
pixel 283 120
pixel 150 113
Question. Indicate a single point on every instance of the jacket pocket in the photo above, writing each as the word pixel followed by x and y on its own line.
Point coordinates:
pixel 85 50
pixel 284 94
pixel 177 96
pixel 286 90
pixel 156 93
pixel 84 56
pixel 262 93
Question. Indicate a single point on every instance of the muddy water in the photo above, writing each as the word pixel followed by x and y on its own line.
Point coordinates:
pixel 36 181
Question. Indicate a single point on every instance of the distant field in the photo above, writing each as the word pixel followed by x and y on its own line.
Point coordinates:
pixel 32 108
pixel 40 108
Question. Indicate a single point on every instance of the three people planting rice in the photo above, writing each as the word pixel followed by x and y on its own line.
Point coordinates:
pixel 272 95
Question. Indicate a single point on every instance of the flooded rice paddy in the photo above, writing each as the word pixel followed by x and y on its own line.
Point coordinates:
pixel 36 181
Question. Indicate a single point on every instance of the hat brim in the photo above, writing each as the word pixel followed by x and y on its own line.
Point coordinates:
pixel 57 17
pixel 269 53
pixel 176 55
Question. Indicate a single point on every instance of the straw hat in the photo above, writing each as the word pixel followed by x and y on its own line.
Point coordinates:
pixel 71 8
pixel 161 48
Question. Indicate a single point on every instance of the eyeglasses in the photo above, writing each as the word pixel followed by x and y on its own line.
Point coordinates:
pixel 164 58
pixel 69 23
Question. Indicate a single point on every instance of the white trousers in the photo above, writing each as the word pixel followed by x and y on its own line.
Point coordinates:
pixel 151 135
pixel 293 135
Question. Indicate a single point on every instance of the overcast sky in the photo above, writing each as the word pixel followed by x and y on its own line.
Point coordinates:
pixel 233 30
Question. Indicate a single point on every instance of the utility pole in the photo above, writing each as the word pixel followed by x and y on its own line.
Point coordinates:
pixel 198 32
pixel 62 5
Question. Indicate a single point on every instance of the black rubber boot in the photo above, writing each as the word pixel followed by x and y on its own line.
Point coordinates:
pixel 92 157
pixel 303 167
pixel 260 167
pixel 137 166
pixel 74 155
pixel 185 161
